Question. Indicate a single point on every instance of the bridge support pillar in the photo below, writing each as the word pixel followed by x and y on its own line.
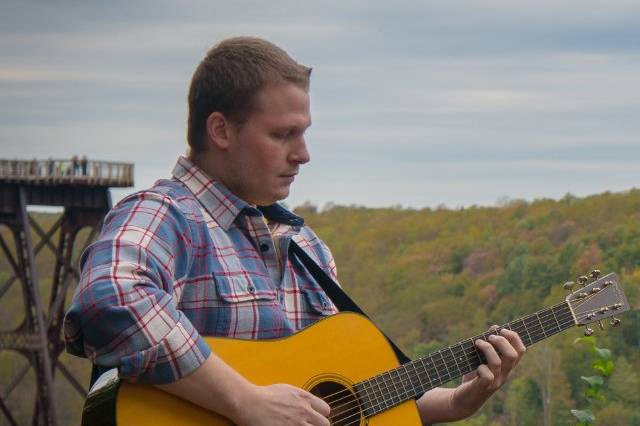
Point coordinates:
pixel 38 337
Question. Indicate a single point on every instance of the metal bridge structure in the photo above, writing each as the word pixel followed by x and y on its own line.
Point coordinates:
pixel 81 188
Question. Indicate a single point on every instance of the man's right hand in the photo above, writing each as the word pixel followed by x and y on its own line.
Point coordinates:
pixel 281 404
pixel 218 387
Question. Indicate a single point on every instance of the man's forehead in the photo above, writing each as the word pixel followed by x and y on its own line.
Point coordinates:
pixel 286 102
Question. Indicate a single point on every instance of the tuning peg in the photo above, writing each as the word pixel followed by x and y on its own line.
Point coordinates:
pixel 582 280
pixel 614 322
pixel 588 331
pixel 594 274
pixel 568 285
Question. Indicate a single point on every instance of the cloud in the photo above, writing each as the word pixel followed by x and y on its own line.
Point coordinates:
pixel 429 98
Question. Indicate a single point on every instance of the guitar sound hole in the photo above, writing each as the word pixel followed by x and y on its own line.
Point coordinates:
pixel 345 410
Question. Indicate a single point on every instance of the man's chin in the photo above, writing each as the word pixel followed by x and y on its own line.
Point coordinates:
pixel 275 197
pixel 282 194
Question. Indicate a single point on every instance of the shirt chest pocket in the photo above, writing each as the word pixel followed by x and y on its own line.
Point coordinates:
pixel 247 308
pixel 318 302
pixel 244 288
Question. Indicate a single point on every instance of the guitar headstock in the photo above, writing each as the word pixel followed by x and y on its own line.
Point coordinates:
pixel 598 299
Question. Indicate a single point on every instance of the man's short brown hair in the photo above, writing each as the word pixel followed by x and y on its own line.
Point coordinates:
pixel 229 78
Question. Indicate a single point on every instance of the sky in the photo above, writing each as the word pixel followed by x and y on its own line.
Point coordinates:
pixel 414 103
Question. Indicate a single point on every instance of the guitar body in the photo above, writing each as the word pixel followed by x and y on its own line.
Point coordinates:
pixel 340 350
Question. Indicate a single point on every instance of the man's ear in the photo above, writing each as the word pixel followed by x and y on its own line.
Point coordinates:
pixel 219 130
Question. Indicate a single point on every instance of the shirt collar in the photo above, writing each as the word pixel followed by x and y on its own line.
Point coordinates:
pixel 222 204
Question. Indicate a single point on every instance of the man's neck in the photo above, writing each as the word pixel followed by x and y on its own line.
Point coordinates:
pixel 207 164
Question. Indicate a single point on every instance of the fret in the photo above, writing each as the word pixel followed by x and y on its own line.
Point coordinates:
pixel 400 384
pixel 391 398
pixel 435 369
pixel 431 386
pixel 381 400
pixel 413 382
pixel 554 325
pixel 376 395
pixel 566 312
pixel 541 326
pixel 466 357
pixel 476 353
pixel 379 393
pixel 445 366
pixel 526 330
pixel 555 317
pixel 455 361
pixel 363 396
pixel 422 387
pixel 395 397
pixel 406 385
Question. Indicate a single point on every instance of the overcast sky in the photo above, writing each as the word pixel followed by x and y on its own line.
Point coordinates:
pixel 416 103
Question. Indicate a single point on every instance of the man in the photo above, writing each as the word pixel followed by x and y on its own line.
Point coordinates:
pixel 205 253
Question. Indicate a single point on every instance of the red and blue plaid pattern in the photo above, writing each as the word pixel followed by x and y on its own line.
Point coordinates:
pixel 188 258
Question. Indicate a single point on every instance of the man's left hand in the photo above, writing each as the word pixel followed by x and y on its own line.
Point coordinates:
pixel 502 351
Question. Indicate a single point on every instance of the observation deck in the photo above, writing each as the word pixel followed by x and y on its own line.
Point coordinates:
pixel 61 182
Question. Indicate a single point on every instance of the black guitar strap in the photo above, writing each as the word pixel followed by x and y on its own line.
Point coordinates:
pixel 339 298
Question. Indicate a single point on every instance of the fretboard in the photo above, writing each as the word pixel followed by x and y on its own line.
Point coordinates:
pixel 411 380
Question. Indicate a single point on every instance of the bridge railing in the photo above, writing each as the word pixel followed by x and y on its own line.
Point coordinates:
pixel 80 171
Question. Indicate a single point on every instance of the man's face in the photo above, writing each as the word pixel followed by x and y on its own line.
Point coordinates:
pixel 265 153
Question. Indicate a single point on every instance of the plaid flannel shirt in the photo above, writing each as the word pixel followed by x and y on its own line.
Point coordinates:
pixel 187 258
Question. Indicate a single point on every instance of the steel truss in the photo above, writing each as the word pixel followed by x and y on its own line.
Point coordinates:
pixel 38 337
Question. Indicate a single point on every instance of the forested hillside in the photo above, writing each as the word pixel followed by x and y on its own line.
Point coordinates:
pixel 432 277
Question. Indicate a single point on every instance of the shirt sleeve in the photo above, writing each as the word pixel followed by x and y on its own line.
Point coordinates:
pixel 124 311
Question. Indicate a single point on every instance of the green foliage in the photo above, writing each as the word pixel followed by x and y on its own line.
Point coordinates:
pixel 432 277
pixel 602 363
pixel 585 417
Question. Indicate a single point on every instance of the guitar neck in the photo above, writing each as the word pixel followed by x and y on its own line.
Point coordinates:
pixel 411 380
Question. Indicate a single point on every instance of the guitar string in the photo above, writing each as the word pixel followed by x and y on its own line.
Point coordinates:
pixel 547 317
pixel 357 408
pixel 447 362
pixel 564 316
pixel 450 349
pixel 590 296
pixel 448 376
pixel 467 351
pixel 342 414
pixel 460 370
pixel 545 312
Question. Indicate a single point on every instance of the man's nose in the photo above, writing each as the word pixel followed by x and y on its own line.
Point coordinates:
pixel 300 154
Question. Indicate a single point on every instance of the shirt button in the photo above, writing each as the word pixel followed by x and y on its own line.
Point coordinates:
pixel 264 247
pixel 252 289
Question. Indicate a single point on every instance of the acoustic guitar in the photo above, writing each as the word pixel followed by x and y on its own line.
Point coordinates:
pixel 345 360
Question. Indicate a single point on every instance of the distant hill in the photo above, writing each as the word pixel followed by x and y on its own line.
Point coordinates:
pixel 431 277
